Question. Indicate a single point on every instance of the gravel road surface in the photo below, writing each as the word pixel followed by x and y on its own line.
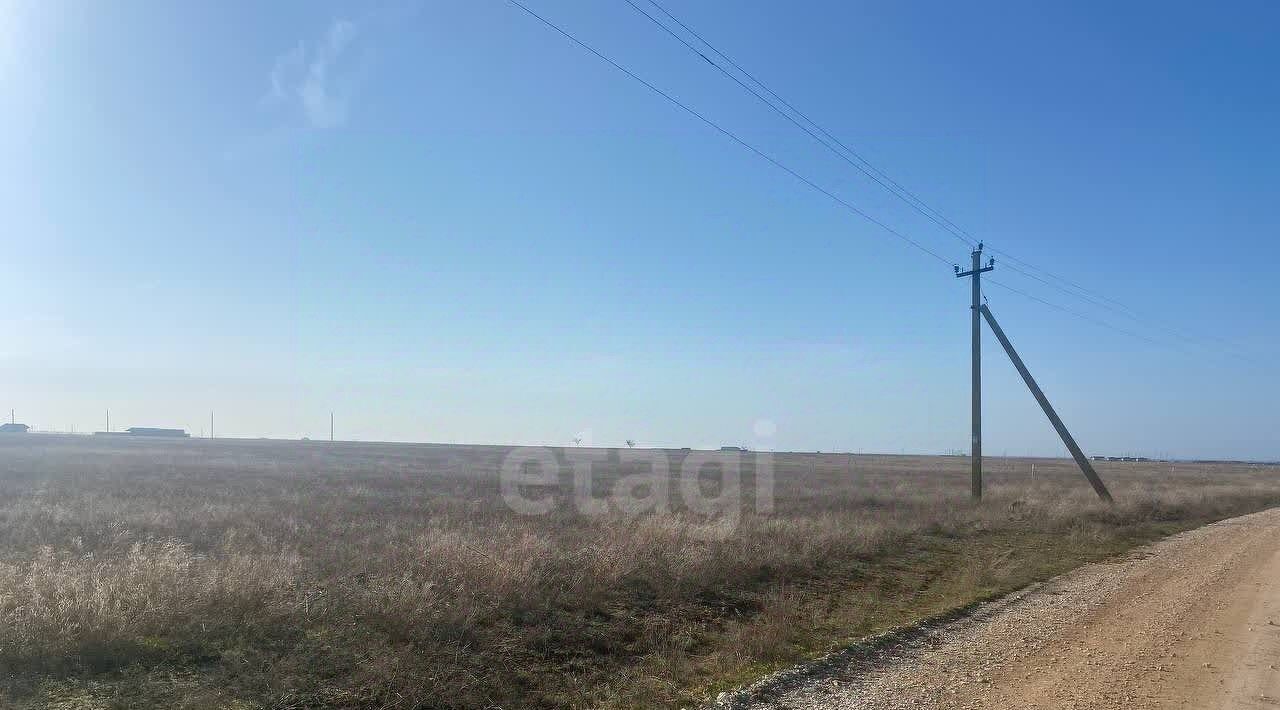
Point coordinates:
pixel 1192 621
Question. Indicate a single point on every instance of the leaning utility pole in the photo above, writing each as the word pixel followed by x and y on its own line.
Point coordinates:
pixel 1081 460
pixel 976 416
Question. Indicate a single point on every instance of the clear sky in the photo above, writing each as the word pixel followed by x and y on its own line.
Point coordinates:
pixel 445 222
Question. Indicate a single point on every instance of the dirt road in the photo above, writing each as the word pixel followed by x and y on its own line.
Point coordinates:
pixel 1190 622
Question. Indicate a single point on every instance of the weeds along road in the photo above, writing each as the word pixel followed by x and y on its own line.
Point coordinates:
pixel 1190 622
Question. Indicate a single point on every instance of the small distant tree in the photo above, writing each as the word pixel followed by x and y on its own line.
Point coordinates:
pixel 631 443
pixel 577 441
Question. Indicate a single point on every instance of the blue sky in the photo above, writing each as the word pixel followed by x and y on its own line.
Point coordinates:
pixel 447 223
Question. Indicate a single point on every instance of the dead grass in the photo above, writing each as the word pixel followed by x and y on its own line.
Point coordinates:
pixel 293 575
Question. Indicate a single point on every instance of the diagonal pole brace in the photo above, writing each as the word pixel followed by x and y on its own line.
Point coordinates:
pixel 1081 459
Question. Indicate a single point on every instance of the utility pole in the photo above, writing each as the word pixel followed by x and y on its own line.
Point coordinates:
pixel 976 415
pixel 211 435
pixel 108 421
pixel 330 427
pixel 979 312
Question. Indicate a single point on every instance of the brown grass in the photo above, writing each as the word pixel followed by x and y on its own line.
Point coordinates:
pixel 249 574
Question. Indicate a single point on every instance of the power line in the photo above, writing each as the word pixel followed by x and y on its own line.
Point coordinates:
pixel 898 190
pixel 1098 302
pixel 1101 303
pixel 1215 344
pixel 902 192
pixel 1059 279
pixel 729 134
pixel 878 175
pixel 1079 315
pixel 866 168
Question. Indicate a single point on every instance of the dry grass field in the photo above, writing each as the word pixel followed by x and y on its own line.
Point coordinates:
pixel 255 574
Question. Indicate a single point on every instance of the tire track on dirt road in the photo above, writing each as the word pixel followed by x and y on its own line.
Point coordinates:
pixel 1192 621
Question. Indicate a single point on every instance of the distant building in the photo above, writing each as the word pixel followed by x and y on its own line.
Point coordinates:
pixel 1099 458
pixel 155 431
pixel 14 428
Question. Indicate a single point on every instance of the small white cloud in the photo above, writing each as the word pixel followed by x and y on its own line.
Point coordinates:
pixel 316 79
pixel 287 65
pixel 340 35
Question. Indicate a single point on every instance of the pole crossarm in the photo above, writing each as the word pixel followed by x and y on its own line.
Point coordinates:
pixel 983 270
pixel 1083 461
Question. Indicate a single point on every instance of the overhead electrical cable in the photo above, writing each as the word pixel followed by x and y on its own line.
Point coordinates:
pixel 1080 292
pixel 898 189
pixel 1079 315
pixel 733 136
pixel 1213 345
pixel 1012 266
pixel 849 155
pixel 864 167
pixel 1059 279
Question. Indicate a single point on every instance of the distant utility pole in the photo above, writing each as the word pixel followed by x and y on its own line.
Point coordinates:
pixel 330 427
pixel 976 414
pixel 982 311
pixel 211 435
pixel 108 421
